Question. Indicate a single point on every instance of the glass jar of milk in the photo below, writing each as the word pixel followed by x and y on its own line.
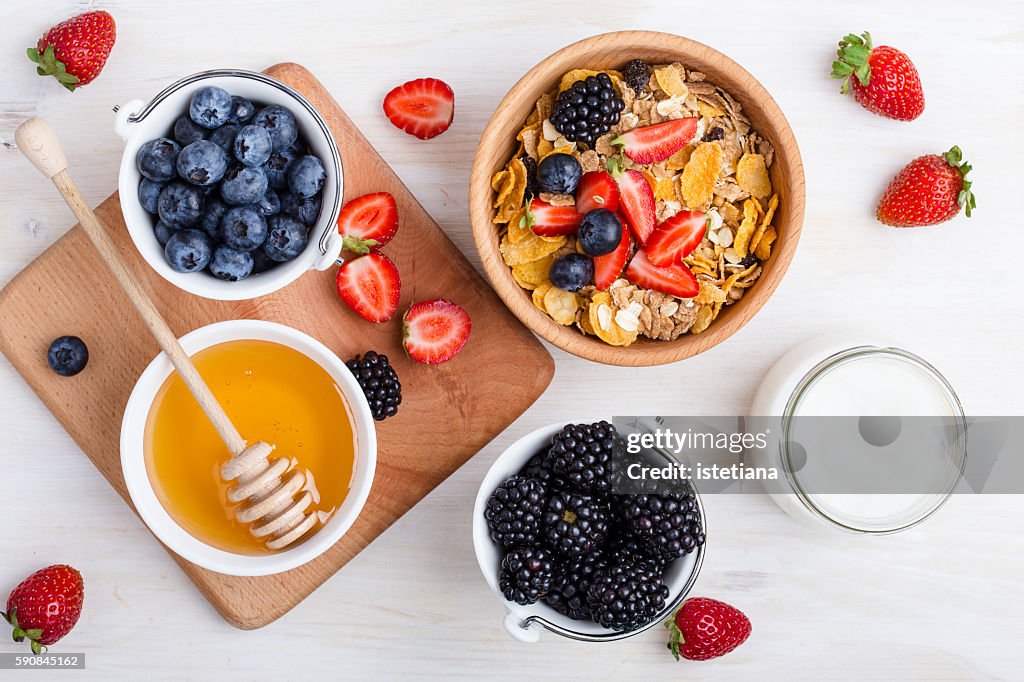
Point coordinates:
pixel 856 413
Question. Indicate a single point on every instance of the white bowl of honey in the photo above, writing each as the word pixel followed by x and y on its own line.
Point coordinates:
pixel 278 385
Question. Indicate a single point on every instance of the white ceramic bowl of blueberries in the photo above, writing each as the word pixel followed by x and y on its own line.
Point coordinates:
pixel 230 184
pixel 526 494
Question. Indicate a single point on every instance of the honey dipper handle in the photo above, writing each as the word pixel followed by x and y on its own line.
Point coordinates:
pixel 37 141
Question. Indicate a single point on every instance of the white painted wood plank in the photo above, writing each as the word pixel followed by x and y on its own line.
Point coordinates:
pixel 939 602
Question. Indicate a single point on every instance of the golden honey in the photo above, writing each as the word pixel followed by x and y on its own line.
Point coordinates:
pixel 272 393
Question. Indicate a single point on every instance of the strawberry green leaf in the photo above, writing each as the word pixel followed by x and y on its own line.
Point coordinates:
pixel 965 198
pixel 34 633
pixel 852 59
pixel 356 245
pixel 33 54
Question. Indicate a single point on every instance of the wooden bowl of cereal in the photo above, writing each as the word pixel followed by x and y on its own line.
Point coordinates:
pixel 636 198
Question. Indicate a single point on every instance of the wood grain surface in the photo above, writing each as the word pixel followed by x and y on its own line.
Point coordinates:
pixel 612 51
pixel 448 412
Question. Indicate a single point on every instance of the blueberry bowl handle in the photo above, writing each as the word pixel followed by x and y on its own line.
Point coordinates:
pixel 124 117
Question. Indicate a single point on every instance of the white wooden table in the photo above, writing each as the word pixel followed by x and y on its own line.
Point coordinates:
pixel 942 601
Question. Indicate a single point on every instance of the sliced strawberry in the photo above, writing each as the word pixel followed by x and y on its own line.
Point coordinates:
pixel 370 285
pixel 608 267
pixel 435 331
pixel 423 108
pixel 655 143
pixel 675 280
pixel 368 222
pixel 675 238
pixel 552 221
pixel 597 189
pixel 636 202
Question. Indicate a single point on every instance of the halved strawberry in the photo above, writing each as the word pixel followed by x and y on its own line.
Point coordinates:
pixel 552 221
pixel 435 331
pixel 423 107
pixel 636 201
pixel 597 189
pixel 370 285
pixel 676 238
pixel 608 267
pixel 655 143
pixel 368 222
pixel 675 280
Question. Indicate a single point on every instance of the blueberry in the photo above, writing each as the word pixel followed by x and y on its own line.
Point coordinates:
pixel 286 238
pixel 559 174
pixel 243 228
pixel 157 158
pixel 270 204
pixel 306 176
pixel 253 146
pixel 202 163
pixel 180 204
pixel 278 165
pixel 231 264
pixel 281 125
pixel 242 111
pixel 149 192
pixel 224 137
pixel 209 223
pixel 306 211
pixel 188 251
pixel 68 355
pixel 210 107
pixel 600 232
pixel 572 272
pixel 187 131
pixel 243 185
pixel 261 262
pixel 163 232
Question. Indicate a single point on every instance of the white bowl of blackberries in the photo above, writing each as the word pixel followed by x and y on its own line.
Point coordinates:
pixel 230 184
pixel 572 547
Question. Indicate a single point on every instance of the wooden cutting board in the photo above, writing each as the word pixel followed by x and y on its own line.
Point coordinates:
pixel 448 412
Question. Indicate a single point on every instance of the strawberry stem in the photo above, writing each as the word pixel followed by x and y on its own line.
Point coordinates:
pixel 675 637
pixel 357 245
pixel 615 167
pixel 955 158
pixel 49 65
pixel 852 60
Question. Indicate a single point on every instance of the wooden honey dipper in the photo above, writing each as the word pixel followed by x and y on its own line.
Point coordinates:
pixel 278 508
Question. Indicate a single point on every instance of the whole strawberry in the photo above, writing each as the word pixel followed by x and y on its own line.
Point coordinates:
pixel 74 51
pixel 931 189
pixel 706 628
pixel 45 606
pixel 884 80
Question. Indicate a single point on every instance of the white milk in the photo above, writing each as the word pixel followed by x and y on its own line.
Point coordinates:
pixel 836 376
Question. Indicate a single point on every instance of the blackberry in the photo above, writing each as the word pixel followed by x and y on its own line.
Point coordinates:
pixel 514 511
pixel 537 468
pixel 624 547
pixel 626 596
pixel 575 524
pixel 587 109
pixel 532 188
pixel 569 594
pixel 379 382
pixel 637 75
pixel 526 574
pixel 668 524
pixel 584 454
